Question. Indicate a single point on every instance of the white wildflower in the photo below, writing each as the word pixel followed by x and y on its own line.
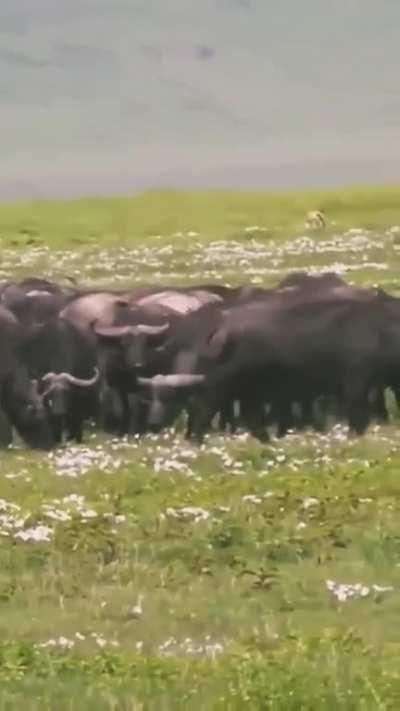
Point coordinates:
pixel 189 512
pixel 37 534
pixel 344 591
pixel 252 499
pixel 62 642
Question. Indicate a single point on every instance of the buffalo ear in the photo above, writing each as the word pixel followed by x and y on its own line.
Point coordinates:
pixel 216 344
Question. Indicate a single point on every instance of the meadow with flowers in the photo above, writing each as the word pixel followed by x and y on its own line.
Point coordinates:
pixel 149 573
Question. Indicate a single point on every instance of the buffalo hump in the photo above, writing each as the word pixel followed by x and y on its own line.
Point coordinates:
pixel 181 303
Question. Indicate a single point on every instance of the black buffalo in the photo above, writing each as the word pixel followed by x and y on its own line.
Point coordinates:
pixel 287 348
pixel 339 348
pixel 63 360
pixel 125 350
pixel 19 398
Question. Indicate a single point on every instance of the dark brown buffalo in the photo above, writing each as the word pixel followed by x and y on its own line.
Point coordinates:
pixel 20 401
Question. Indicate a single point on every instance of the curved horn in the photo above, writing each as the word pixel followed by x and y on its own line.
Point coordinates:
pixel 181 381
pixel 112 331
pixel 171 381
pixel 38 292
pixel 81 382
pixel 50 381
pixel 152 330
pixel 50 377
pixel 145 382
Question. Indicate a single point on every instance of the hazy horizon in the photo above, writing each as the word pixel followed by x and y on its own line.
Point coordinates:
pixel 102 98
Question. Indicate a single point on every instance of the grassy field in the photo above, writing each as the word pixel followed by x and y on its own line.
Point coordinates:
pixel 156 575
pixel 216 215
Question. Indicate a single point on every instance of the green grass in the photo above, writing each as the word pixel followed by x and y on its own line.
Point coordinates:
pixel 128 221
pixel 248 577
pixel 236 611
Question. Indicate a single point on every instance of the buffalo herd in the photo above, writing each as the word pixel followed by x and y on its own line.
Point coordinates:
pixel 311 350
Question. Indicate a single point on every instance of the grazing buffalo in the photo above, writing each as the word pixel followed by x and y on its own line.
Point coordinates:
pixel 64 397
pixel 133 345
pixel 105 307
pixel 340 348
pixel 21 404
pixel 133 360
pixel 286 347
pixel 33 307
pixel 185 355
pixel 101 307
pixel 179 301
pixel 129 328
pixel 126 349
pixel 38 284
pixel 312 282
pixel 63 360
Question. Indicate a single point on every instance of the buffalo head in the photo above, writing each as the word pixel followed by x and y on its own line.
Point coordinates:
pixel 56 389
pixel 133 340
pixel 25 409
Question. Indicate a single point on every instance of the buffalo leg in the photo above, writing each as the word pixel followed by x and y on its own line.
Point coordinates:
pixel 396 392
pixel 227 417
pixel 57 429
pixel 378 406
pixel 357 405
pixel 191 417
pixel 282 412
pixel 74 427
pixel 126 414
pixel 201 414
pixel 6 436
pixel 137 414
pixel 111 410
pixel 253 416
pixel 322 410
pixel 307 418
